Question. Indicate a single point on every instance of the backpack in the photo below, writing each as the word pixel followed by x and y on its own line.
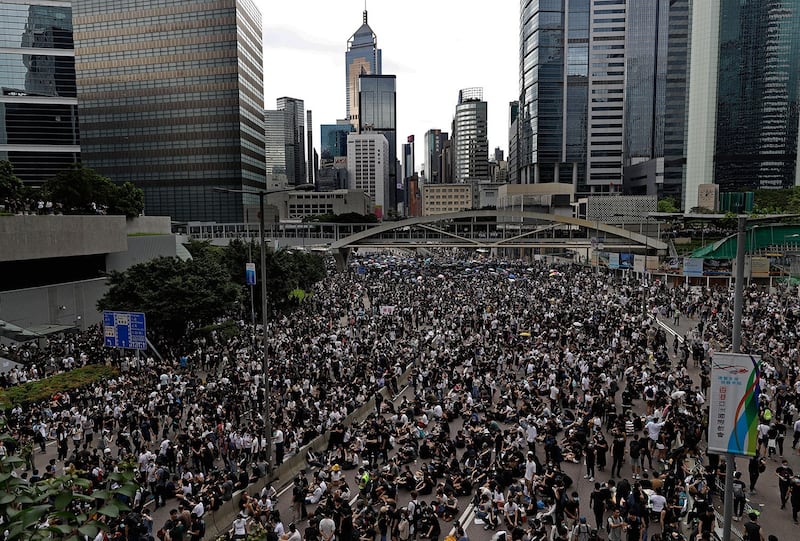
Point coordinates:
pixel 738 490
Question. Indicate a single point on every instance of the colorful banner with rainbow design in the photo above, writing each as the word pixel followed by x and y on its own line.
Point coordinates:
pixel 733 410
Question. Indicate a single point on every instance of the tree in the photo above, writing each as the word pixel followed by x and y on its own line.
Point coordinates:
pixel 69 506
pixel 287 270
pixel 126 199
pixel 667 205
pixel 10 184
pixel 82 190
pixel 175 295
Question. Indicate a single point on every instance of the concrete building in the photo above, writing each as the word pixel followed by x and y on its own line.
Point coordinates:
pixel 470 137
pixel 543 197
pixel 744 96
pixel 170 97
pixel 38 99
pixel 362 58
pixel 368 167
pixel 446 198
pixel 301 204
pixel 54 267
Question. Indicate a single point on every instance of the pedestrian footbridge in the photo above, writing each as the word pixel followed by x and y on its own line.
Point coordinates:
pixel 498 229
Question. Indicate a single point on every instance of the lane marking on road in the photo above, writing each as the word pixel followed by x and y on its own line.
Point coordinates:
pixel 670 330
pixel 465 519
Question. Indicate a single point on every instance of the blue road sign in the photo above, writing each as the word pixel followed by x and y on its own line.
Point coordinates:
pixel 124 330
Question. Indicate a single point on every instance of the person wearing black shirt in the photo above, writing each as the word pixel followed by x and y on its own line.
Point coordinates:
pixel 785 474
pixel 794 491
pixel 617 454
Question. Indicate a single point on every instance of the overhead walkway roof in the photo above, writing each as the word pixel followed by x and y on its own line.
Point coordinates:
pixel 758 239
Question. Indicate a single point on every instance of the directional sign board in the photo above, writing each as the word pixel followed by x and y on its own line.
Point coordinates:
pixel 124 330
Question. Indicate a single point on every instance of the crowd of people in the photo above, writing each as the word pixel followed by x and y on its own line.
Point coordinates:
pixel 517 369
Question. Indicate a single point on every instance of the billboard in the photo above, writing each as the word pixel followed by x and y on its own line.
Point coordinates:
pixel 692 266
pixel 613 260
pixel 733 404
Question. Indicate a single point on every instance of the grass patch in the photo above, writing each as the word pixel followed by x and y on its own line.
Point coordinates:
pixel 44 389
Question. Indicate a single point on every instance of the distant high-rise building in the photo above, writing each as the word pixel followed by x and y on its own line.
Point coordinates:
pixel 434 143
pixel 368 166
pixel 294 138
pixel 655 94
pixel 362 58
pixel 513 142
pixel 310 179
pixel 38 104
pixel 744 96
pixel 408 171
pixel 275 147
pixel 471 143
pixel 170 96
pixel 333 140
pixel 377 103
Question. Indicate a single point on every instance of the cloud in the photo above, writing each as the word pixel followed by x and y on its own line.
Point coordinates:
pixel 284 37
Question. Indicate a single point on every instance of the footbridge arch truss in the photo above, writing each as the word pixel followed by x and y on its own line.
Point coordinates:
pixel 491 229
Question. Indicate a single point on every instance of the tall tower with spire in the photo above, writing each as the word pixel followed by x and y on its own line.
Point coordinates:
pixel 362 58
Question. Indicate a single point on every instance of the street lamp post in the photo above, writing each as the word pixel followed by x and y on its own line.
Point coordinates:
pixel 265 361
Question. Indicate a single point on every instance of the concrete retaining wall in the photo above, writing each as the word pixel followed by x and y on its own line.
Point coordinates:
pixel 220 522
pixel 40 237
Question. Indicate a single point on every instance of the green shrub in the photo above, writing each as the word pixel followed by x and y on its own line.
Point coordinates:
pixel 44 389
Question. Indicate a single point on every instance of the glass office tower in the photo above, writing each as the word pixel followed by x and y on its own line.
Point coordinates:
pixel 171 98
pixel 757 96
pixel 38 106
pixel 377 103
pixel 333 140
pixel 294 136
pixel 744 81
pixel 655 96
pixel 362 58
pixel 554 88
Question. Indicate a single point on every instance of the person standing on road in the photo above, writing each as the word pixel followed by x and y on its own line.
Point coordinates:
pixel 617 453
pixel 752 529
pixel 794 493
pixel 615 526
pixel 784 474
pixel 739 496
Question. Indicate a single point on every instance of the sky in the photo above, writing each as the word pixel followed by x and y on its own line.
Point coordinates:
pixel 434 47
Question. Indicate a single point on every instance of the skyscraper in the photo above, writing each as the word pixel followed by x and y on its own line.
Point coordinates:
pixel 434 144
pixel 294 138
pixel 170 97
pixel 38 104
pixel 655 94
pixel 744 105
pixel 362 58
pixel 377 103
pixel 275 147
pixel 570 116
pixel 552 121
pixel 471 143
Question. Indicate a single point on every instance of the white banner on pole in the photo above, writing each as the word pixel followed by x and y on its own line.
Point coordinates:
pixel 733 404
